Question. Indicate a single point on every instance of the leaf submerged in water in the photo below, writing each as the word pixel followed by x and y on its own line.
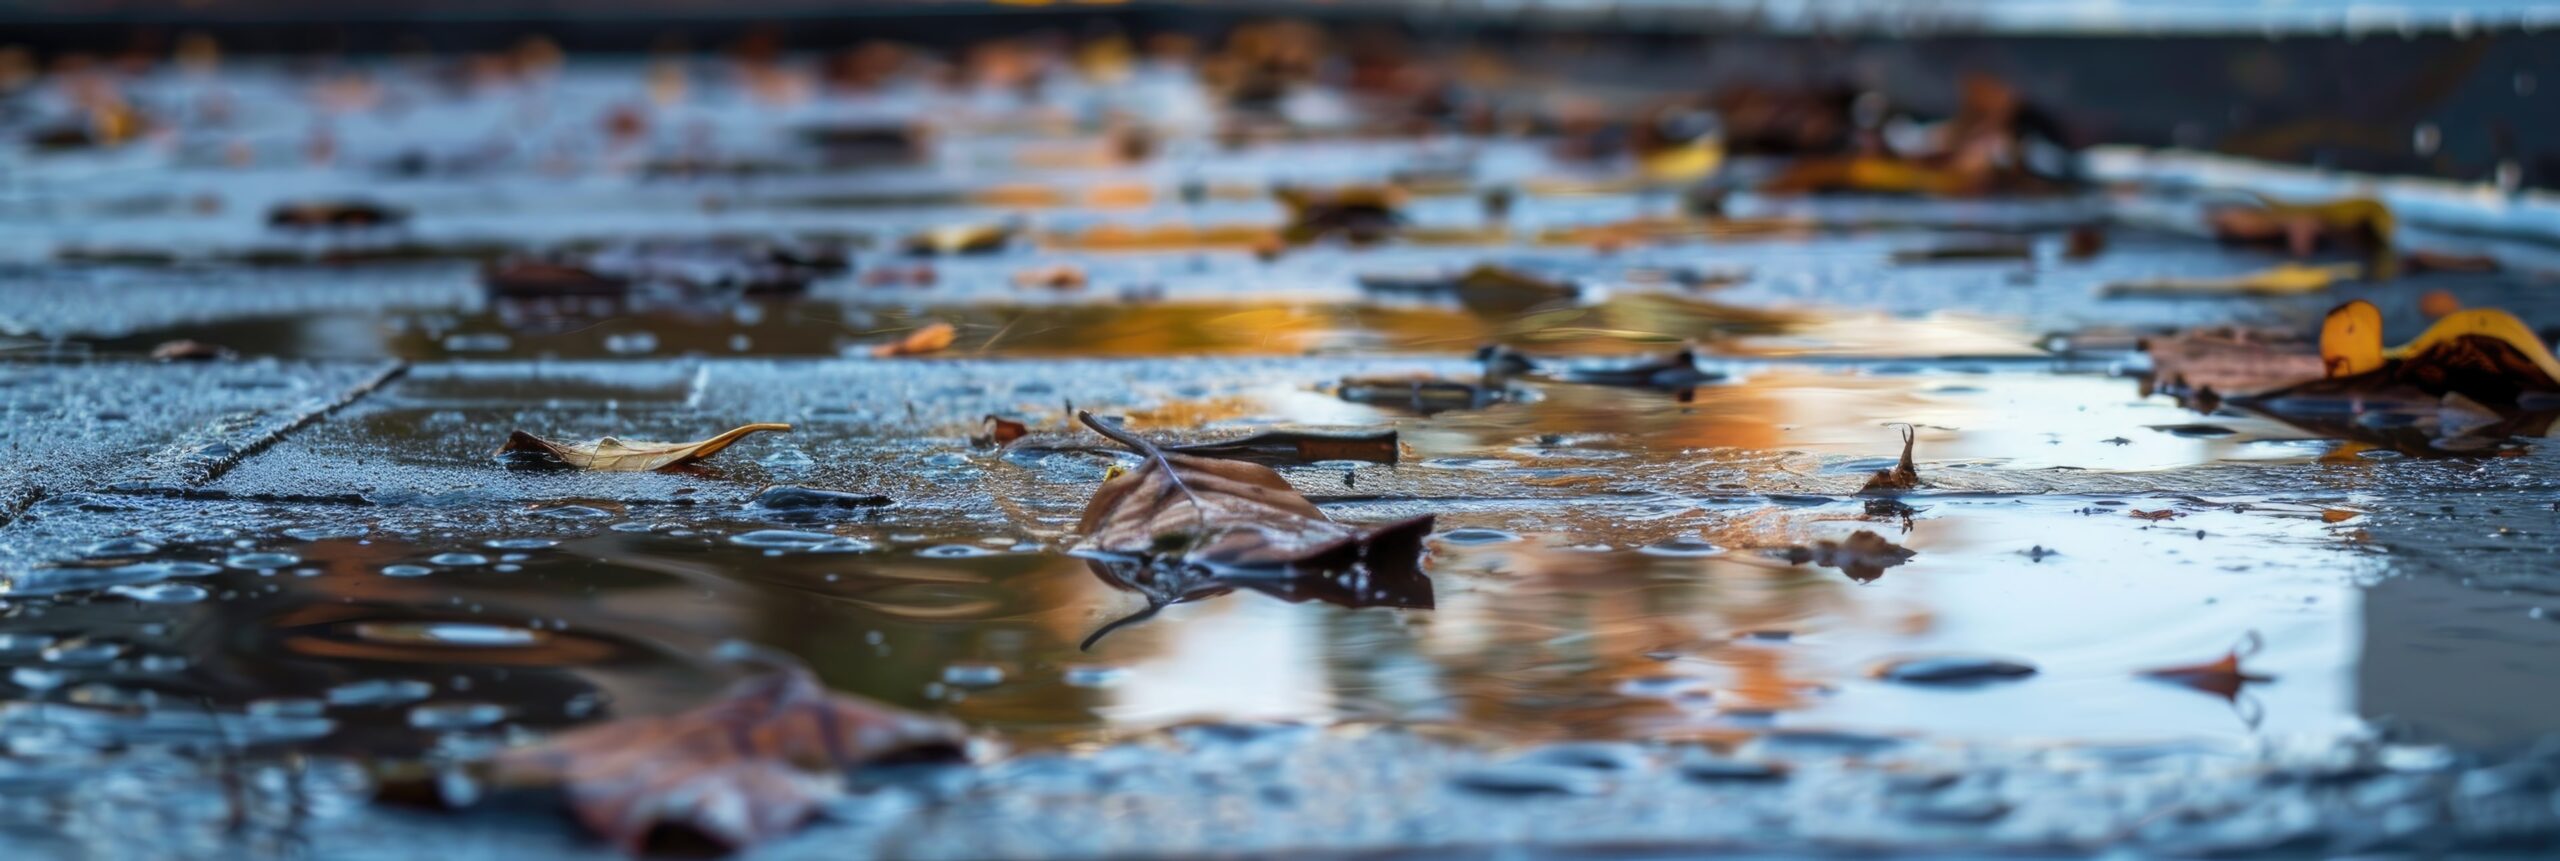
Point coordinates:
pixel 611 454
pixel 746 768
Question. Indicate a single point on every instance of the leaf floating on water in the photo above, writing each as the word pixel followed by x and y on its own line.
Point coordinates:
pixel 2221 677
pixel 2279 280
pixel 747 768
pixel 616 455
pixel 1297 448
pixel 1676 371
pixel 1904 475
pixel 930 339
pixel 2155 516
pixel 1201 517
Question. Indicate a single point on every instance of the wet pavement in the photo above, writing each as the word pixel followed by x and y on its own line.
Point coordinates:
pixel 1656 621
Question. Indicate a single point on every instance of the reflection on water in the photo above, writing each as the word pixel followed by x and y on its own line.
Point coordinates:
pixel 1557 601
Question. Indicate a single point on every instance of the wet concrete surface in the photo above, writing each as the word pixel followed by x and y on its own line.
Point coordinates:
pixel 241 590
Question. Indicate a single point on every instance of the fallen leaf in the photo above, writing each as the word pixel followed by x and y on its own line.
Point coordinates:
pixel 615 455
pixel 1294 448
pixel 1060 276
pixel 997 430
pixel 2279 280
pixel 2484 354
pixel 930 339
pixel 1211 516
pixel 1904 475
pixel 2338 515
pixel 2085 242
pixel 1360 214
pixel 2162 514
pixel 1863 555
pixel 2220 363
pixel 749 767
pixel 2222 677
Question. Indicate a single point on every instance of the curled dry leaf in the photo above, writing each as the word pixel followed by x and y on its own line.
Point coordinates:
pixel 930 339
pixel 995 430
pixel 1903 475
pixel 2162 514
pixel 2484 354
pixel 2218 363
pixel 616 455
pixel 749 767
pixel 2222 677
pixel 1204 518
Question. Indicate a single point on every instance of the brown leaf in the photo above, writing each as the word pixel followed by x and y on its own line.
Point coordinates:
pixel 930 339
pixel 2221 677
pixel 1193 510
pixel 995 430
pixel 1904 475
pixel 2162 514
pixel 1297 448
pixel 749 767
pixel 1863 556
pixel 2230 362
pixel 616 455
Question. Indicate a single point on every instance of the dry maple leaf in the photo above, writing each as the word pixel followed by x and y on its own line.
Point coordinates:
pixel 930 339
pixel 749 767
pixel 2221 677
pixel 617 455
pixel 1903 475
pixel 1193 519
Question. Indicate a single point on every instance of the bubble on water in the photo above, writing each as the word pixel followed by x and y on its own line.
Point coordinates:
pixel 163 593
pixel 38 678
pixel 631 343
pixel 1094 676
pixel 14 645
pixel 521 543
pixel 379 692
pixel 972 675
pixel 261 560
pixel 781 538
pixel 120 547
pixel 1683 546
pixel 458 560
pixel 81 652
pixel 1477 536
pixel 287 707
pixel 468 634
pixel 406 570
pixel 451 716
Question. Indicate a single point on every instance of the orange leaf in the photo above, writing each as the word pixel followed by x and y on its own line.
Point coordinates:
pixel 930 339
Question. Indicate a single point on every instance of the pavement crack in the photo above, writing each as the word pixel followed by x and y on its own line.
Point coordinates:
pixel 207 456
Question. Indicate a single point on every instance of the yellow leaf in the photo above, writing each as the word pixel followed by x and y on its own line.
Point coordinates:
pixel 617 455
pixel 2282 279
pixel 2351 339
pixel 1684 163
pixel 2487 322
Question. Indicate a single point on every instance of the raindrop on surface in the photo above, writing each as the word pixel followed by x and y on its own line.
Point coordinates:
pixel 972 675
pixel 258 561
pixel 120 547
pixel 781 538
pixel 379 692
pixel 437 716
pixel 406 571
pixel 458 560
pixel 448 634
pixel 163 593
pixel 1093 677
pixel 83 652
pixel 1478 536
pixel 521 543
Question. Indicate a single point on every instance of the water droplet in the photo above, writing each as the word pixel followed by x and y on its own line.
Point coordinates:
pixel 449 716
pixel 257 561
pixel 83 652
pixel 406 571
pixel 379 692
pixel 521 543
pixel 458 560
pixel 781 538
pixel 1093 676
pixel 120 547
pixel 972 675
pixel 163 593
pixel 449 634
pixel 1478 536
